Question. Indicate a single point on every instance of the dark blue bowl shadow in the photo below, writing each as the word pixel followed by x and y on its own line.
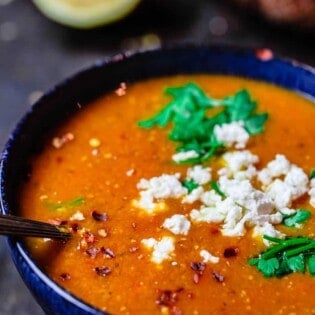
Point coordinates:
pixel 62 101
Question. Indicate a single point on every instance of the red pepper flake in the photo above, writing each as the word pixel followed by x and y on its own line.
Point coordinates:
pixel 175 310
pixel 65 276
pixel 107 252
pixel 92 251
pixel 103 271
pixel 59 159
pixel 199 267
pixel 217 276
pixel 89 237
pixel 264 54
pixel 121 91
pixel 230 251
pixel 167 297
pixel 190 295
pixel 74 227
pixel 214 229
pixel 59 142
pixel 82 244
pixel 196 278
pixel 97 216
pixel 133 249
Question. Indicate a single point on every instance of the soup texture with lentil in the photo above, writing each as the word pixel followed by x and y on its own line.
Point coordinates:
pixel 159 224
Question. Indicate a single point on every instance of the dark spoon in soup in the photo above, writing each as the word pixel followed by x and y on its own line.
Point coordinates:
pixel 17 226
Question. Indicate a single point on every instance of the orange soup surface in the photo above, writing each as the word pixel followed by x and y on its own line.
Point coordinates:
pixel 141 242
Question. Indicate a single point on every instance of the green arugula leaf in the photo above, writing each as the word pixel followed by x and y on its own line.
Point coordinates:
pixel 253 261
pixel 299 217
pixel 297 263
pixel 255 124
pixel 215 186
pixel 284 268
pixel 193 115
pixel 241 107
pixel 311 265
pixel 286 256
pixel 65 205
pixel 268 267
pixel 190 185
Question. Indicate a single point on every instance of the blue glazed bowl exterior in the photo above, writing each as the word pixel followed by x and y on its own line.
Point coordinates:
pixel 61 102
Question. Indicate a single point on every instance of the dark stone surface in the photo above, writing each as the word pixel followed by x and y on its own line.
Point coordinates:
pixel 36 53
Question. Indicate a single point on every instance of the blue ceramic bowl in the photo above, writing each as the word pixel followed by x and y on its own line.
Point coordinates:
pixel 61 102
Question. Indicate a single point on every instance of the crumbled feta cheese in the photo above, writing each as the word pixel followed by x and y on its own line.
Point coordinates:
pixel 249 173
pixel 297 180
pixel 311 192
pixel 279 166
pixel 239 165
pixel 264 176
pixel 275 218
pixel 231 134
pixel 194 195
pixel 162 249
pixel 280 193
pixel 208 257
pixel 266 229
pixel 200 175
pixel 184 156
pixel 241 207
pixel 239 160
pixel 207 214
pixel 275 168
pixel 146 202
pixel 177 224
pixel 233 212
pixel 238 230
pixel 244 194
pixel 162 187
pixel 210 198
pixel 294 185
pixel 287 211
pixel 77 216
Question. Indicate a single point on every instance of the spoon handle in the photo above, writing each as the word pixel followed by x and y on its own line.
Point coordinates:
pixel 18 226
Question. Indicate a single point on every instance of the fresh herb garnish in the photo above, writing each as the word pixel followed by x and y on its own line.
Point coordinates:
pixel 215 186
pixel 194 115
pixel 294 254
pixel 65 205
pixel 312 175
pixel 190 185
pixel 294 220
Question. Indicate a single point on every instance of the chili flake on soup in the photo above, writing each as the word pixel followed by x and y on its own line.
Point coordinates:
pixel 191 194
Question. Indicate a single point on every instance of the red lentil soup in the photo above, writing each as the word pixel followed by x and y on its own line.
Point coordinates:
pixel 88 178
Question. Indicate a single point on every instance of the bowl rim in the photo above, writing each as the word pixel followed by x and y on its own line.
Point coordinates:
pixel 18 246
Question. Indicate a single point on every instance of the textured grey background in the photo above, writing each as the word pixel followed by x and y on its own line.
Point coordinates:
pixel 36 53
